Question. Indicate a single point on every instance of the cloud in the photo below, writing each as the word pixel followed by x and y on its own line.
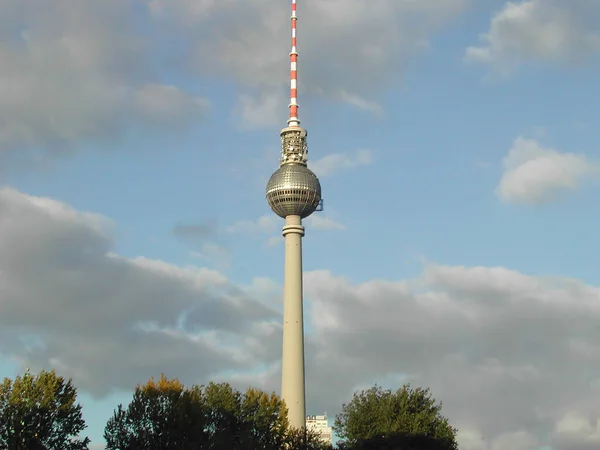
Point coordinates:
pixel 470 439
pixel 264 224
pixel 215 254
pixel 210 250
pixel 200 230
pixel 319 222
pixel 525 344
pixel 349 49
pixel 274 241
pixel 92 309
pixel 578 432
pixel 75 74
pixel 271 224
pixel 268 109
pixel 544 31
pixel 520 440
pixel 507 336
pixel 162 104
pixel 360 103
pixel 535 174
pixel 330 164
pixel 102 70
pixel 206 243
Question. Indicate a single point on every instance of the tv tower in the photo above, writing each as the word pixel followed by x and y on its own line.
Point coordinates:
pixel 293 193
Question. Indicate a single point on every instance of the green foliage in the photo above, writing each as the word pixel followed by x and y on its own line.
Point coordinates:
pixel 305 440
pixel 165 415
pixel 161 415
pixel 39 412
pixel 222 409
pixel 405 419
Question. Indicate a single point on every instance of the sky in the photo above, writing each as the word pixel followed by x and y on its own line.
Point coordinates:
pixel 457 148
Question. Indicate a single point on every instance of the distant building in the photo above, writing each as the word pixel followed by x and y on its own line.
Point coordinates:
pixel 321 426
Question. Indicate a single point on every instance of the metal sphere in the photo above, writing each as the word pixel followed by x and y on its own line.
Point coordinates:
pixel 293 190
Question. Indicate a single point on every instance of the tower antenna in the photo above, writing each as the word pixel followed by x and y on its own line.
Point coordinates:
pixel 293 120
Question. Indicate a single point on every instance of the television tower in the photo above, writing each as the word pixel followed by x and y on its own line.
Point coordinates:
pixel 293 193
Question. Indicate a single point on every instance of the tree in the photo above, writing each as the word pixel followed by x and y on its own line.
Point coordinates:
pixel 305 440
pixel 165 415
pixel 254 420
pixel 40 413
pixel 404 419
pixel 162 415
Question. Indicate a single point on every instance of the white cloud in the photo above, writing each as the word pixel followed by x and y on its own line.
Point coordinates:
pixel 550 31
pixel 349 49
pixel 215 254
pixel 74 74
pixel 161 104
pixel 520 440
pixel 535 174
pixel 264 224
pixel 267 224
pixel 493 331
pixel 93 309
pixel 271 225
pixel 339 161
pixel 94 73
pixel 574 423
pixel 578 431
pixel 360 102
pixel 263 111
pixel 274 241
pixel 320 222
pixel 470 439
pixel 524 344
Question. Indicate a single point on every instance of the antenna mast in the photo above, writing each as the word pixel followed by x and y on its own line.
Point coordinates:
pixel 293 120
pixel 293 137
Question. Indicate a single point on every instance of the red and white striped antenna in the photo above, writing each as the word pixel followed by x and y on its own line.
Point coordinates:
pixel 293 120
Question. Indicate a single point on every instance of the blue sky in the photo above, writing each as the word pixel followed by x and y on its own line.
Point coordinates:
pixel 458 156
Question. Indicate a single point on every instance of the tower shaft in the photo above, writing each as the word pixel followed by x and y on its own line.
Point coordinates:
pixel 294 193
pixel 292 366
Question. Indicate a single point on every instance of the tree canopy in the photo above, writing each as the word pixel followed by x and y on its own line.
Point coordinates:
pixel 161 415
pixel 165 415
pixel 40 412
pixel 405 419
pixel 254 419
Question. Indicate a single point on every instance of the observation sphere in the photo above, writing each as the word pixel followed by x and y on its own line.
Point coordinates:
pixel 293 190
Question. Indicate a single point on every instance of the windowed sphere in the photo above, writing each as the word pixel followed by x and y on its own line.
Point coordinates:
pixel 293 190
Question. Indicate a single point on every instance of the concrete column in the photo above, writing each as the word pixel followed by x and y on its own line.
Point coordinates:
pixel 292 366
